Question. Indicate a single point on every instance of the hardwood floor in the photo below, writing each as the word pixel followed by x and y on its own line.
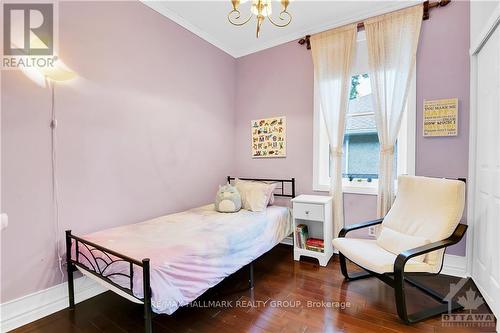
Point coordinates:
pixel 286 286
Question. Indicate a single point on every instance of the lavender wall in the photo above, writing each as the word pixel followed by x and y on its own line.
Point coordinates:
pixel 283 85
pixel 146 130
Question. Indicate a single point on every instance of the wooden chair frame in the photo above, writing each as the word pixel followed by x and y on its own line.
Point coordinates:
pixel 397 279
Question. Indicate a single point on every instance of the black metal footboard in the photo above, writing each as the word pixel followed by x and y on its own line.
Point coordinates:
pixel 96 261
pixel 107 257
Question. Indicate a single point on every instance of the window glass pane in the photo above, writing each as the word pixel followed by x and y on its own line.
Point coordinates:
pixel 360 86
pixel 361 145
pixel 362 156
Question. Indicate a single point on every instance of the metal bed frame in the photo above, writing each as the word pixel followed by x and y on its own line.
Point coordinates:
pixel 101 258
pixel 282 189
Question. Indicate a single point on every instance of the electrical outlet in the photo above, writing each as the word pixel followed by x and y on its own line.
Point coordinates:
pixel 371 231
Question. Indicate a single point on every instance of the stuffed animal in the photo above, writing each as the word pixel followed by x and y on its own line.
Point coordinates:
pixel 228 199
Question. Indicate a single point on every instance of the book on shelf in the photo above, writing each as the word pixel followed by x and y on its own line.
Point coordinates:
pixel 315 248
pixel 315 244
pixel 301 235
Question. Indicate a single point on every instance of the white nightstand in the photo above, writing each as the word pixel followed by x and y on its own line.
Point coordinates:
pixel 315 211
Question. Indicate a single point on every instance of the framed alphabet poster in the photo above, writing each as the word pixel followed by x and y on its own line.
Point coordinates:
pixel 441 117
pixel 269 137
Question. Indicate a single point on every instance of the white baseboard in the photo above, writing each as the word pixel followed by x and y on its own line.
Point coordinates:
pixel 42 303
pixel 455 266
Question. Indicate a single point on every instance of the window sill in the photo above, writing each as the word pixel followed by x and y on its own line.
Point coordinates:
pixel 364 188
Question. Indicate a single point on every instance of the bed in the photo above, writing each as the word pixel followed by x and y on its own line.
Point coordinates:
pixel 170 261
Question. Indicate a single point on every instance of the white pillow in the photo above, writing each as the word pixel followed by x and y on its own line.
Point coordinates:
pixel 255 196
pixel 397 242
pixel 271 198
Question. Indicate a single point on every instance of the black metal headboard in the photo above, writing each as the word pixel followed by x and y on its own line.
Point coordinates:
pixel 280 191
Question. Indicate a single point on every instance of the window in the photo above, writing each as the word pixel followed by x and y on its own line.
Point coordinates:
pixel 360 161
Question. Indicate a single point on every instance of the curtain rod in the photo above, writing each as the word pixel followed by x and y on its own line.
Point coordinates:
pixel 427 7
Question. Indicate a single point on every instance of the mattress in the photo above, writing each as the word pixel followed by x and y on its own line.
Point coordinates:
pixel 189 252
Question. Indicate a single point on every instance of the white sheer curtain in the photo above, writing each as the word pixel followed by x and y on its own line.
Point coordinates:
pixel 332 53
pixel 392 41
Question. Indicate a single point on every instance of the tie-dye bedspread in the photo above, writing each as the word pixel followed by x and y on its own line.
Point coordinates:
pixel 191 251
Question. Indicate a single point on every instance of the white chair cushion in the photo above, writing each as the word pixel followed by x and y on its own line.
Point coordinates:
pixel 430 208
pixel 367 254
pixel 397 242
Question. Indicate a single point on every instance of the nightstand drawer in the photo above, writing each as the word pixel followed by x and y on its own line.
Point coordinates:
pixel 308 211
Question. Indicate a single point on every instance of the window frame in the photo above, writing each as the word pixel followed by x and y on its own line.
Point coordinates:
pixel 405 151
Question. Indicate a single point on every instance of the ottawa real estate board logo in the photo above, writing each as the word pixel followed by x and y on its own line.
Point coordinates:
pixel 28 35
pixel 473 314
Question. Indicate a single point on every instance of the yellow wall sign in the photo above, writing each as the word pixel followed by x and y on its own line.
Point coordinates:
pixel 441 117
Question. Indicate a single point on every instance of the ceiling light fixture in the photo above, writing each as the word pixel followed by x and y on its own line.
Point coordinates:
pixel 261 9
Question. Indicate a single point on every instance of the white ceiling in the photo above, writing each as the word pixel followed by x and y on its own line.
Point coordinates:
pixel 208 19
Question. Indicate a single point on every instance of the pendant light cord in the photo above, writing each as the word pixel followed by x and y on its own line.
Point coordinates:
pixel 55 193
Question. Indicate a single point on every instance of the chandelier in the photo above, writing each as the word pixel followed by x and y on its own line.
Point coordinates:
pixel 261 9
